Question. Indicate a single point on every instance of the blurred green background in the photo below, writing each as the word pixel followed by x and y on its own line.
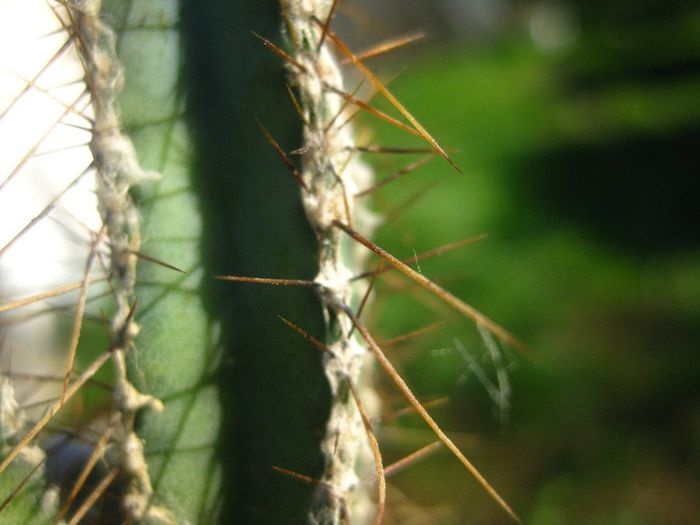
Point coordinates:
pixel 577 125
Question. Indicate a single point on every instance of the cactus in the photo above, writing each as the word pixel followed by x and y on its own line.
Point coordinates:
pixel 207 396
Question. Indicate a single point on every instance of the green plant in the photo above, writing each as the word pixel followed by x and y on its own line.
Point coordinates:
pixel 202 384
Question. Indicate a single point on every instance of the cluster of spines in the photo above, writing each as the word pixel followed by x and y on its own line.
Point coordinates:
pixel 315 74
pixel 335 291
pixel 116 248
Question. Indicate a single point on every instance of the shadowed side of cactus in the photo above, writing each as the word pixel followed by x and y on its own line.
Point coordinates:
pixel 274 395
pixel 224 204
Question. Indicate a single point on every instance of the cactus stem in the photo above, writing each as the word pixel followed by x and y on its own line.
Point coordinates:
pixel 118 169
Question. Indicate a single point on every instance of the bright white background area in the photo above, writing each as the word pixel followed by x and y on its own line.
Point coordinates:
pixel 43 149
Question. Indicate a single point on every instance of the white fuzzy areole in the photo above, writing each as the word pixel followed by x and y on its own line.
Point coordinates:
pixel 118 168
pixel 12 419
pixel 333 174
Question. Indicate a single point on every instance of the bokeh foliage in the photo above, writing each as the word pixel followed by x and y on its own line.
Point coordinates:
pixel 580 166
